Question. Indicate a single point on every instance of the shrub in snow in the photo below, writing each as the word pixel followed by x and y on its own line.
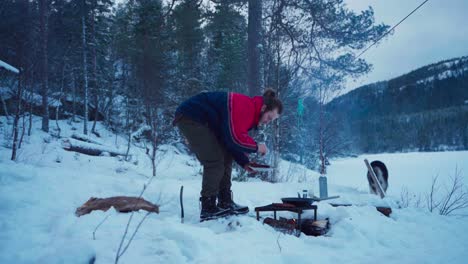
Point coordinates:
pixel 408 199
pixel 58 159
pixel 452 199
pixel 441 198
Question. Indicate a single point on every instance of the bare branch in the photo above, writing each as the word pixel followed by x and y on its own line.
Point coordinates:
pixel 457 196
pixel 100 223
pixel 134 233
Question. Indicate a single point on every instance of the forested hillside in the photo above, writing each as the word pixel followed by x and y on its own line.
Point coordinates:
pixel 426 109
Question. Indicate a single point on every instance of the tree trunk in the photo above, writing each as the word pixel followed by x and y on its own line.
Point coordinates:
pixel 94 76
pixel 276 124
pixel 26 82
pixel 44 74
pixel 154 142
pixel 85 138
pixel 73 97
pixel 31 105
pixel 57 108
pixel 127 125
pixel 89 148
pixel 85 70
pixel 254 49
pixel 17 117
pixel 23 130
pixel 321 132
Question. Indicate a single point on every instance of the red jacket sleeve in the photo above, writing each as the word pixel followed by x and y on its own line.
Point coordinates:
pixel 241 113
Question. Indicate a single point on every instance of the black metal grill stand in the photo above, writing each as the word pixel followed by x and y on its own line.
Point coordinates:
pixel 282 207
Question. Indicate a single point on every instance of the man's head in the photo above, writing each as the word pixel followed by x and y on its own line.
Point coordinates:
pixel 271 109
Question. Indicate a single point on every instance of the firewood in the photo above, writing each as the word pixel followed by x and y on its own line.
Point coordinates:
pixel 85 138
pixel 123 204
pixel 384 210
pixel 89 148
pixel 315 228
pixel 283 225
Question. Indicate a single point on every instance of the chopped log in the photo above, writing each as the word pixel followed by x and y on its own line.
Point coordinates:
pixel 315 228
pixel 89 148
pixel 308 226
pixel 283 225
pixel 384 210
pixel 123 204
pixel 85 138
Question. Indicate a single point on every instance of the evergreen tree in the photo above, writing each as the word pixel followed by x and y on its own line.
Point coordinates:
pixel 227 54
pixel 150 52
pixel 188 44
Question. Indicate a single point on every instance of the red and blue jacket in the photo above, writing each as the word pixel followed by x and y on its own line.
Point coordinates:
pixel 230 116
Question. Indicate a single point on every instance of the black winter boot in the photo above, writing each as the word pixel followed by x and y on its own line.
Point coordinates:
pixel 209 209
pixel 225 202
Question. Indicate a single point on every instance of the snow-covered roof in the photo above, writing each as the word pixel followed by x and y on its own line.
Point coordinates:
pixel 8 67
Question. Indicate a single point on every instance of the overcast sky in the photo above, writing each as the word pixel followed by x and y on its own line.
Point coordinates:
pixel 437 31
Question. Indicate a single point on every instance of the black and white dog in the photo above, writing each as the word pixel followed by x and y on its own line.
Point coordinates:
pixel 382 175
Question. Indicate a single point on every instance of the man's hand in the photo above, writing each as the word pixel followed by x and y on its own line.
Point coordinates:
pixel 262 149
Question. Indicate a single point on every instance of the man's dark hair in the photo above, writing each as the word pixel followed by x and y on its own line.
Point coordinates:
pixel 271 101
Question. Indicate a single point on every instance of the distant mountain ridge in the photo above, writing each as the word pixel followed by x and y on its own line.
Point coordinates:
pixel 425 109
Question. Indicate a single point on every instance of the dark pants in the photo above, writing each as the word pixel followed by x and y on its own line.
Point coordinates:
pixel 216 160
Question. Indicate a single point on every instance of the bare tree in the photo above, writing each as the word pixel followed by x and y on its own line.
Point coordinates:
pixel 123 248
pixel 254 50
pixel 94 64
pixel 327 140
pixel 456 197
pixel 19 94
pixel 431 202
pixel 43 14
pixel 152 120
pixel 85 69
pixel 61 93
pixel 73 118
pixel 453 200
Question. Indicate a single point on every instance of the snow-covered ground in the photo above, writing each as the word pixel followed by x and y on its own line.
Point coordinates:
pixel 40 192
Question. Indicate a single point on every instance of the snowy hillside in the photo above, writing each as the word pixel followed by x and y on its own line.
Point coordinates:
pixel 40 192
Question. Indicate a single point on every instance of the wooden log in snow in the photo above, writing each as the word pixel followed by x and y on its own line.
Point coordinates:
pixel 384 210
pixel 89 148
pixel 315 228
pixel 123 204
pixel 85 138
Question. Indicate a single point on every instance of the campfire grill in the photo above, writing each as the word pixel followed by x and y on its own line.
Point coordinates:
pixel 276 207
